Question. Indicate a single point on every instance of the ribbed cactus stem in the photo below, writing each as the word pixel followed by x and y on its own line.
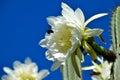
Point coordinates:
pixel 115 31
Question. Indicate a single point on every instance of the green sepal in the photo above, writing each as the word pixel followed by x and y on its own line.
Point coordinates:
pixel 90 50
pixel 75 65
pixel 79 54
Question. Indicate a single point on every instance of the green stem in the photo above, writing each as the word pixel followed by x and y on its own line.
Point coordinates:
pixel 107 54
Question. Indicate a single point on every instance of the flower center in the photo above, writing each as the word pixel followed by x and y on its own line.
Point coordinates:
pixel 25 75
pixel 62 38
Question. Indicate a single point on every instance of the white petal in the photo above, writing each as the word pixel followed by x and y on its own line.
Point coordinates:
pixel 67 12
pixel 55 65
pixel 33 67
pixel 17 64
pixel 66 9
pixel 95 77
pixel 88 68
pixel 5 77
pixel 28 60
pixel 47 42
pixel 93 32
pixel 95 17
pixel 77 34
pixel 71 17
pixel 51 20
pixel 106 74
pixel 8 70
pixel 106 70
pixel 43 42
pixel 59 56
pixel 80 16
pixel 71 24
pixel 43 73
pixel 101 60
pixel 49 55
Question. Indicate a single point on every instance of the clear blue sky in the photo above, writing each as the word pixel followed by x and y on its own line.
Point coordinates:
pixel 23 24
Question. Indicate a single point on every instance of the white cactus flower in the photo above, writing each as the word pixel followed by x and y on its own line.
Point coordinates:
pixel 24 71
pixel 104 69
pixel 68 32
pixel 61 43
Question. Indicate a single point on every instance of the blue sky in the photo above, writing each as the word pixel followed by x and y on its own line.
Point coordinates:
pixel 23 24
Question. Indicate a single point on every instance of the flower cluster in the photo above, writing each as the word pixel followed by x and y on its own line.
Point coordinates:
pixel 24 71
